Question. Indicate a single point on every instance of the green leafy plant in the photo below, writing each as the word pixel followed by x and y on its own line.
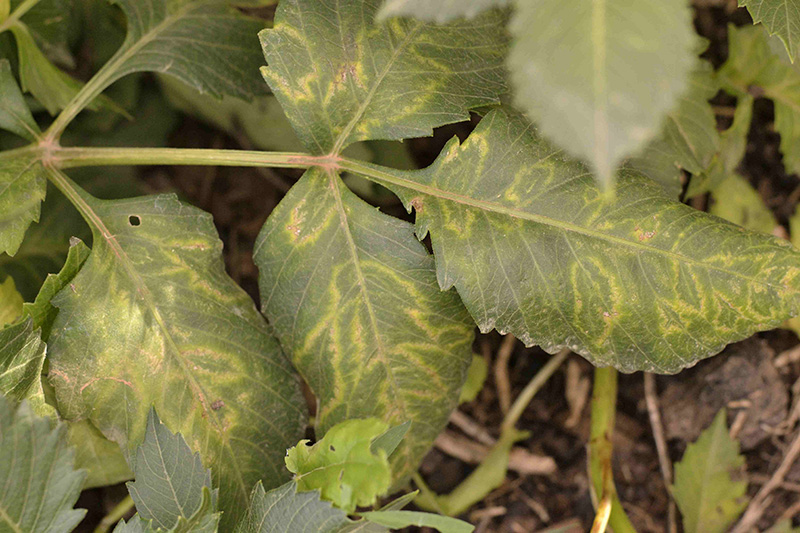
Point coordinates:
pixel 557 220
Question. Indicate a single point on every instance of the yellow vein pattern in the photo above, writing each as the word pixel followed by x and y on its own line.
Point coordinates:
pixel 352 295
pixel 640 282
pixel 152 319
pixel 23 186
pixel 781 17
pixel 341 78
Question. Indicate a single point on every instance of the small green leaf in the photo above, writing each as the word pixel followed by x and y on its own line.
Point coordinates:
pixel 22 189
pixel 343 466
pixel 40 486
pixel 781 17
pixel 439 11
pixel 601 89
pixel 49 22
pixel 705 491
pixel 476 376
pixel 402 519
pixel 22 355
pixel 14 114
pixel 285 510
pixel 191 344
pixel 536 249
pixel 10 303
pixel 345 78
pixel 737 201
pixel 169 478
pixel 352 296
pixel 42 312
pixel 390 439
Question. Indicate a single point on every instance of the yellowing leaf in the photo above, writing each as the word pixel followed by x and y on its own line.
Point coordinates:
pixel 437 10
pixel 737 201
pixel 10 303
pixel 707 494
pixel 343 466
pixel 598 77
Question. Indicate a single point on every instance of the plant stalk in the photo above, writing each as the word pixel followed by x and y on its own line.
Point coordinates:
pixel 116 514
pixel 604 404
pixel 17 14
pixel 530 390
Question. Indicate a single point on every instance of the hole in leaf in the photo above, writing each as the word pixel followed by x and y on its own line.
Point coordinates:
pixel 332 448
pixel 134 221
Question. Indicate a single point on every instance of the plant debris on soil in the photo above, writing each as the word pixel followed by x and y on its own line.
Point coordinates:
pixel 547 487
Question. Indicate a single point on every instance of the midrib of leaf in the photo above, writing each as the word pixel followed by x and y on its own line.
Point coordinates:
pixel 106 75
pixel 65 185
pixel 342 138
pixel 7 519
pixel 383 176
pixel 599 80
pixel 399 401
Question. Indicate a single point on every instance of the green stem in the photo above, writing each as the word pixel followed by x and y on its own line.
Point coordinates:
pixel 116 514
pixel 604 409
pixel 18 13
pixel 86 157
pixel 530 390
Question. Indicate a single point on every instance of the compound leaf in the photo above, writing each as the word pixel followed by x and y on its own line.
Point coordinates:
pixel 285 510
pixel 344 78
pixel 535 249
pixel 205 43
pixel 22 355
pixel 343 466
pixel 152 319
pixel 439 11
pixel 40 486
pixel 601 89
pixel 353 298
pixel 781 17
pixel 169 478
pixel 706 493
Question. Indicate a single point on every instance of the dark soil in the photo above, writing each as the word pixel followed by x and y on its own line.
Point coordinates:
pixel 744 378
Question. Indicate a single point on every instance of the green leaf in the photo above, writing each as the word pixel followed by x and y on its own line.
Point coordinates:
pixel 22 355
pixel 205 43
pixel 601 89
pixel 102 459
pixel 40 486
pixel 390 439
pixel 536 249
pixel 10 303
pixel 777 78
pixel 476 376
pixel 353 298
pixel 705 491
pixel 344 79
pixel 23 185
pixel 688 138
pixel 781 17
pixel 169 478
pixel 784 526
pixel 14 114
pixel 737 201
pixel 191 344
pixel 49 23
pixel 343 466
pixel 439 11
pixel 401 519
pixel 733 143
pixel 284 510
pixel 41 310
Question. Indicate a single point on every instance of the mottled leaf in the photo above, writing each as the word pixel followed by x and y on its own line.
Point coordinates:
pixel 341 77
pixel 598 77
pixel 403 519
pixel 439 11
pixel 22 355
pixel 14 114
pixel 10 303
pixel 40 486
pixel 706 493
pixel 781 17
pixel 736 200
pixel 535 249
pixel 343 466
pixel 169 478
pixel 353 298
pixel 284 510
pixel 41 310
pixel 153 320
pixel 688 138
pixel 775 76
pixel 23 185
